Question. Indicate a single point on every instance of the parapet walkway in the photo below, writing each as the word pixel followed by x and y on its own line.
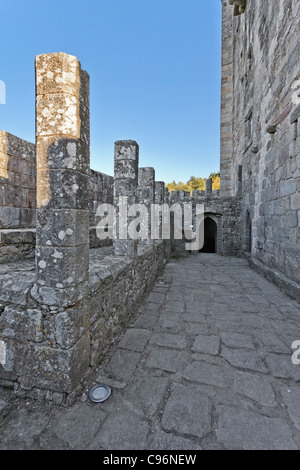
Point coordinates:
pixel 205 364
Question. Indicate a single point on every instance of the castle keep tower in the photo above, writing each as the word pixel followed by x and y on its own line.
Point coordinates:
pixel 260 131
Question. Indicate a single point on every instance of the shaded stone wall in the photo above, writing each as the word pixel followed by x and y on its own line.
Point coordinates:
pixel 227 211
pixel 266 131
pixel 17 197
pixel 101 191
pixel 17 182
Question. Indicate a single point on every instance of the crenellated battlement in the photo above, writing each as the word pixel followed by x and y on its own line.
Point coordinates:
pixel 71 273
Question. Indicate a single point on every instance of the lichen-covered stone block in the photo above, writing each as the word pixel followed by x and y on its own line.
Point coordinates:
pixel 62 267
pixel 56 369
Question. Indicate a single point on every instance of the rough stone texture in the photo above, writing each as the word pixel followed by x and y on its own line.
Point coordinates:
pixel 225 211
pixel 57 322
pixel 17 197
pixel 261 106
pixel 205 401
pixel 291 398
pixel 187 412
pixel 244 430
pixel 255 387
pixel 101 192
pixel 206 344
pixel 146 196
pixel 126 161
pixel 208 362
pixel 17 182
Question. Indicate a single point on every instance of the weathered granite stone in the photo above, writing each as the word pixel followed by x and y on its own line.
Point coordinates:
pixel 126 182
pixel 201 372
pixel 135 340
pixel 244 430
pixel 206 344
pixel 186 412
pixel 255 387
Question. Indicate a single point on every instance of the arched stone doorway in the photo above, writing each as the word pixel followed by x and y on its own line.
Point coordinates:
pixel 210 236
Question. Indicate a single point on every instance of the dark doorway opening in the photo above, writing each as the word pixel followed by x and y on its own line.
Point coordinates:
pixel 210 236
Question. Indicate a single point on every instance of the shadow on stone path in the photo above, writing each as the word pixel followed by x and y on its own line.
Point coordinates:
pixel 207 364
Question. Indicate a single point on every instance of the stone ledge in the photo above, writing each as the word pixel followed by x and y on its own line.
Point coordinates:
pixel 17 236
pixel 101 268
pixel 290 287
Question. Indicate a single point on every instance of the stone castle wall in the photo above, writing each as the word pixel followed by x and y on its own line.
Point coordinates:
pixel 61 306
pixel 18 198
pixel 262 46
pixel 226 211
pixel 64 292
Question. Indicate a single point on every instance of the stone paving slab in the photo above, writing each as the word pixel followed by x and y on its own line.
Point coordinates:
pixel 205 363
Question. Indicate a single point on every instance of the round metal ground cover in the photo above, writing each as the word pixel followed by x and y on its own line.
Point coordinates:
pixel 99 393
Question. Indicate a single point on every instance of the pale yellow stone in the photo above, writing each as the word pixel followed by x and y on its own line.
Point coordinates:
pixel 57 114
pixel 43 190
pixel 3 155
pixel 57 73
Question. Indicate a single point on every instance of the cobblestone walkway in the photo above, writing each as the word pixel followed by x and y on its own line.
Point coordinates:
pixel 206 364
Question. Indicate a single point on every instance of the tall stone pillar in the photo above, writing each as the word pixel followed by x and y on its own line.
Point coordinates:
pixel 63 163
pixel 125 187
pixel 226 132
pixel 159 192
pixel 208 185
pixel 159 198
pixel 62 233
pixel 146 196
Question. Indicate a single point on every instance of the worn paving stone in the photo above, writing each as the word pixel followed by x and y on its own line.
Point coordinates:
pixel 122 431
pixel 237 340
pixel 198 308
pixel 3 404
pixel 78 426
pixel 169 322
pixel 195 329
pixel 176 305
pixel 255 387
pixel 229 325
pixel 164 359
pixel 147 321
pixel 168 340
pixel 269 341
pixel 250 320
pixel 245 430
pixel 206 344
pixel 122 364
pixel 161 440
pixel 202 372
pixel 291 398
pixel 194 317
pixel 21 429
pixel 144 394
pixel 281 366
pixel 135 339
pixel 187 412
pixel 171 390
pixel 156 298
pixel 244 359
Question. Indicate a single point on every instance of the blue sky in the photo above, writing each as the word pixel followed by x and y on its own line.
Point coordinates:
pixel 155 68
